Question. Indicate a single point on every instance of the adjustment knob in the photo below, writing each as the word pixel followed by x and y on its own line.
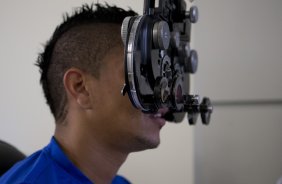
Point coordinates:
pixel 193 14
pixel 191 63
pixel 192 117
pixel 175 39
pixel 206 110
pixel 192 108
pixel 161 35
pixel 161 90
pixel 124 29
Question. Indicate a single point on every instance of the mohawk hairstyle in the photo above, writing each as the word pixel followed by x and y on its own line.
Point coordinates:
pixel 81 41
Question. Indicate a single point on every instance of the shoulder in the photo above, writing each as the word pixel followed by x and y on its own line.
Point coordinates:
pixel 48 165
pixel 120 180
pixel 27 170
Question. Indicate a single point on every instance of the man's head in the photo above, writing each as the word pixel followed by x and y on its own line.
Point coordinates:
pixel 82 73
pixel 81 41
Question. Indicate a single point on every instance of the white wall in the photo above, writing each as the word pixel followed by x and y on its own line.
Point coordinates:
pixel 25 120
pixel 240 50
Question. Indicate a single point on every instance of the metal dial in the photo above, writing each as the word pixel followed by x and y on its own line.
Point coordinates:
pixel 124 29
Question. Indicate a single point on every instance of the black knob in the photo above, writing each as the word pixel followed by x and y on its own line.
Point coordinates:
pixel 192 108
pixel 191 63
pixel 192 117
pixel 193 14
pixel 161 35
pixel 206 110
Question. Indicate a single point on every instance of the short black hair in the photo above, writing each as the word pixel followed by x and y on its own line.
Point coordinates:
pixel 80 41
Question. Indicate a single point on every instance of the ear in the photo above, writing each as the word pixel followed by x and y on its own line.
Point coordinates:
pixel 75 82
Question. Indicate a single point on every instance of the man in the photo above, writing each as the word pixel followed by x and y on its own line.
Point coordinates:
pixel 82 74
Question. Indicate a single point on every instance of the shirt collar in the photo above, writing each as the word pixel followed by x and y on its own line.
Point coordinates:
pixel 57 154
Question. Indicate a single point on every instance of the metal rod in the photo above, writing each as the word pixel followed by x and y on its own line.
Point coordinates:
pixel 259 102
pixel 148 6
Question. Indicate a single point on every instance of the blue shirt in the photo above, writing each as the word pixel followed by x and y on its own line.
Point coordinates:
pixel 49 165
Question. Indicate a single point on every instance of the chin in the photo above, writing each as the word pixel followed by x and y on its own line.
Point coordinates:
pixel 144 143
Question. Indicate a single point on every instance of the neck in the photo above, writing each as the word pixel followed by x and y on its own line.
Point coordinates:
pixel 93 157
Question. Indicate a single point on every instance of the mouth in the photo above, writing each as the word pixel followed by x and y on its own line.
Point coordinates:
pixel 159 117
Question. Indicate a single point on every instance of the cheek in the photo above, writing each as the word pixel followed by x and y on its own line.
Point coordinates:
pixel 127 114
pixel 117 107
pixel 112 101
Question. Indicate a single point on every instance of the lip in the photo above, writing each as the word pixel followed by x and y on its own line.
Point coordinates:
pixel 158 117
